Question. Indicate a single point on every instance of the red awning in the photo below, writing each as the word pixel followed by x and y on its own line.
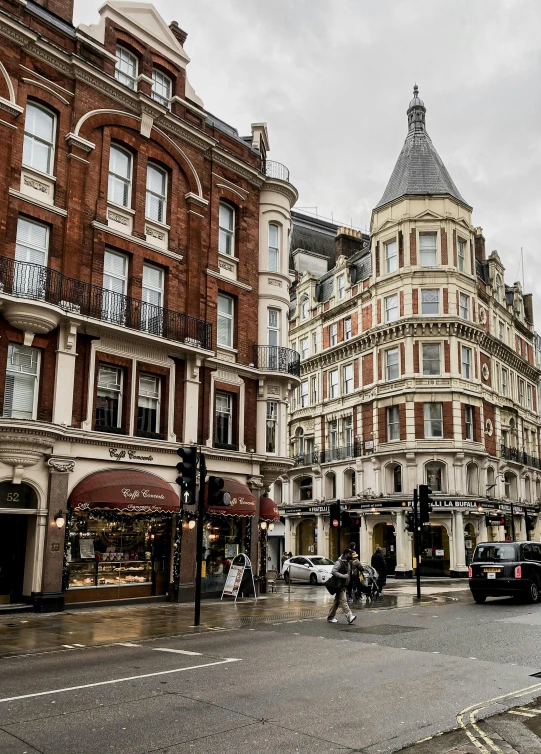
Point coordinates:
pixel 242 501
pixel 130 490
pixel 268 510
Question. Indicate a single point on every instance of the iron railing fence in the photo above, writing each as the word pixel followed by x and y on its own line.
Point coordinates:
pixel 274 169
pixel 513 454
pixel 277 359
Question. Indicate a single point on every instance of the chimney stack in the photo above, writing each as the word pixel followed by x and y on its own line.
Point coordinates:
pixel 347 242
pixel 178 33
pixel 480 245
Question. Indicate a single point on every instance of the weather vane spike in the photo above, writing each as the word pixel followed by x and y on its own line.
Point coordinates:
pixel 415 90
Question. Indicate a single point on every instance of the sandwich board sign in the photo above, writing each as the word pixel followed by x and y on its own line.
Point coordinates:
pixel 241 565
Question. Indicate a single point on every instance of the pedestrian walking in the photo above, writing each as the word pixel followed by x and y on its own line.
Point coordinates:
pixel 380 564
pixel 358 583
pixel 339 580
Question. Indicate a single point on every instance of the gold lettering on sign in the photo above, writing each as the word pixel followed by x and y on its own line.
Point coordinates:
pixel 115 217
pixel 38 185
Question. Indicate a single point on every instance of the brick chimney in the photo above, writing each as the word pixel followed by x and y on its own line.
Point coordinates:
pixel 177 31
pixel 480 245
pixel 347 242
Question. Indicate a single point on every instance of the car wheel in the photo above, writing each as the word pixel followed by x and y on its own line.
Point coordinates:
pixel 533 592
pixel 286 577
pixel 479 597
pixel 313 578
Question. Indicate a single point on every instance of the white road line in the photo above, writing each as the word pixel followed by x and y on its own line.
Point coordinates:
pixel 117 680
pixel 176 651
pixel 124 644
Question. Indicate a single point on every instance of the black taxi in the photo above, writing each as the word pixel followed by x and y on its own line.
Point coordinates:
pixel 506 569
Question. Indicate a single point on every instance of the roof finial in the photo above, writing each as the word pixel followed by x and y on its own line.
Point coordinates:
pixel 415 90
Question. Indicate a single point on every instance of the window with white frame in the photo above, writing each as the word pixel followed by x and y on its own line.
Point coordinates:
pixel 392 366
pixel 393 423
pixel 433 419
pixel 148 403
pixel 156 196
pixel 348 379
pixel 304 307
pixel 115 281
pixel 304 348
pixel 431 358
pixel 152 299
pixel 461 255
pixel 39 137
pixel 333 384
pixel 333 334
pixel 21 389
pixel 428 249
pixel 504 382
pixel 273 328
pixel 109 397
pixel 225 320
pixel 466 363
pixel 333 434
pixel 274 247
pixel 120 176
pixel 304 394
pixel 348 434
pixel 391 308
pixel 126 67
pixel 347 328
pixel 391 257
pixel 468 421
pixel 521 392
pixel 430 301
pixel 434 476
pixel 314 343
pixel 529 396
pixel 501 331
pixel 226 223
pixel 464 306
pixel 341 287
pixel 31 249
pixel 271 427
pixel 161 87
pixel 313 390
pixel 223 434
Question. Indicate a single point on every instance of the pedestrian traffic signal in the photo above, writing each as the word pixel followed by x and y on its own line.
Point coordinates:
pixel 425 503
pixel 410 522
pixel 216 495
pixel 187 468
pixel 334 514
pixel 530 523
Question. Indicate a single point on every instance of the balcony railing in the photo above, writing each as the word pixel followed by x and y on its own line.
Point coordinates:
pixel 340 454
pixel 277 359
pixel 33 281
pixel 275 170
pixel 512 454
pixel 306 459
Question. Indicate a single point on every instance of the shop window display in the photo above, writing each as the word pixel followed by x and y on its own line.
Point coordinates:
pixel 224 537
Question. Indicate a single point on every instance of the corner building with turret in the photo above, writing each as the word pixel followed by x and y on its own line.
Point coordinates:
pixel 418 366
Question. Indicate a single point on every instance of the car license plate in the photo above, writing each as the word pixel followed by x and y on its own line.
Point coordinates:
pixel 491 575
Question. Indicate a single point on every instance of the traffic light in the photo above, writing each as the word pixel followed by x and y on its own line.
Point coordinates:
pixel 216 496
pixel 530 523
pixel 334 514
pixel 187 469
pixel 410 522
pixel 425 503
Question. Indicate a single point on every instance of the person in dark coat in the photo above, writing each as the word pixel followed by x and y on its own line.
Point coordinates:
pixel 380 564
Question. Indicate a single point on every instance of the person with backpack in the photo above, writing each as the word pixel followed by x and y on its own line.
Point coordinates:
pixel 337 585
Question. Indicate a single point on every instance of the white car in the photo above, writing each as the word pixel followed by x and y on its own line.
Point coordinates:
pixel 314 569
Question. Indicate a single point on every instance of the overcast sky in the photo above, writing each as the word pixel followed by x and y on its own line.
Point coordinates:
pixel 333 78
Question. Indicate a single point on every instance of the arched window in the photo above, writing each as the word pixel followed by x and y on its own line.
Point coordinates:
pixel 39 132
pixel 226 222
pixel 330 486
pixel 510 486
pixel 126 67
pixel 304 307
pixel 435 476
pixel 393 478
pixel 120 176
pixel 305 488
pixel 349 483
pixel 274 247
pixel 472 479
pixel 397 478
pixel 156 196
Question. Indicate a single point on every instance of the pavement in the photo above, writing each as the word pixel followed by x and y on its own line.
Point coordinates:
pixel 443 675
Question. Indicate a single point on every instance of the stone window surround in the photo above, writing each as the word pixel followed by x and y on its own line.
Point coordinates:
pixel 236 381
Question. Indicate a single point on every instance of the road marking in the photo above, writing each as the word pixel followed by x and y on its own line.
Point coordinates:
pixel 117 680
pixel 176 651
pixel 518 712
pixel 125 644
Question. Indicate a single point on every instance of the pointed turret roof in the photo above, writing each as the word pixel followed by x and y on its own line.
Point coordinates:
pixel 419 170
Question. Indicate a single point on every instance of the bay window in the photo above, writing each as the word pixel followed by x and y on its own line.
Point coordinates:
pixel 391 308
pixel 427 249
pixel 466 363
pixel 391 257
pixel 392 366
pixel 430 301
pixel 433 420
pixel 461 255
pixel 274 247
pixel 464 306
pixel 393 423
pixel 431 358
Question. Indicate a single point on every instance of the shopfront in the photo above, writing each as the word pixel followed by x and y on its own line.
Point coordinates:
pixel 120 536
pixel 384 536
pixel 226 534
pixel 435 554
pixel 18 509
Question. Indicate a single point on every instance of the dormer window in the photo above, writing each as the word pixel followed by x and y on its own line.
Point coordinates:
pixel 126 67
pixel 341 287
pixel 304 308
pixel 161 87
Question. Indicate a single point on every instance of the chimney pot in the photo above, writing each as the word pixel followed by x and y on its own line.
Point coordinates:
pixel 178 32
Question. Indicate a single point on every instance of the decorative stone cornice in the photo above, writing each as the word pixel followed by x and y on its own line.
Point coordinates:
pixel 23 448
pixel 282 187
pixel 198 201
pixel 61 465
pixel 10 107
pixel 231 163
pixel 78 141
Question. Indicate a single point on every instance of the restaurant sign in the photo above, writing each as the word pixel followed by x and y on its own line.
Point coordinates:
pixel 119 454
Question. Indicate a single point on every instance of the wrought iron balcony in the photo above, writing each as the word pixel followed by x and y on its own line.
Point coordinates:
pixel 277 359
pixel 513 454
pixel 274 169
pixel 306 459
pixel 341 454
pixel 38 283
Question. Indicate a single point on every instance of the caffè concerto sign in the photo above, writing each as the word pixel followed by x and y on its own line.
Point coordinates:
pixel 119 454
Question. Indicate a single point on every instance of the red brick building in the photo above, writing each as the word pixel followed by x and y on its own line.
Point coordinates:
pixel 144 297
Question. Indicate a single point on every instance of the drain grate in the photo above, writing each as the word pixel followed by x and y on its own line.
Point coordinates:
pixel 383 629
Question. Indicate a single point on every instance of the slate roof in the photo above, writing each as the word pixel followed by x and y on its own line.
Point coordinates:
pixel 312 234
pixel 419 170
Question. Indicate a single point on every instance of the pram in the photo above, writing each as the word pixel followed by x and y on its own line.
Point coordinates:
pixel 370 585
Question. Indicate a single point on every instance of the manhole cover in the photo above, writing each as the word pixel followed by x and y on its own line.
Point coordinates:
pixel 382 630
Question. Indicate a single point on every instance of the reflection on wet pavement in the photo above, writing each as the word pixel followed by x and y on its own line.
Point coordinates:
pixel 29 632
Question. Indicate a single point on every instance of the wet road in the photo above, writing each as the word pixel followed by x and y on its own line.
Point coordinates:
pixel 275 677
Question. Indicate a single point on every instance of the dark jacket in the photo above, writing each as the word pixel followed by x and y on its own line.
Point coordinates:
pixel 341 570
pixel 380 564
